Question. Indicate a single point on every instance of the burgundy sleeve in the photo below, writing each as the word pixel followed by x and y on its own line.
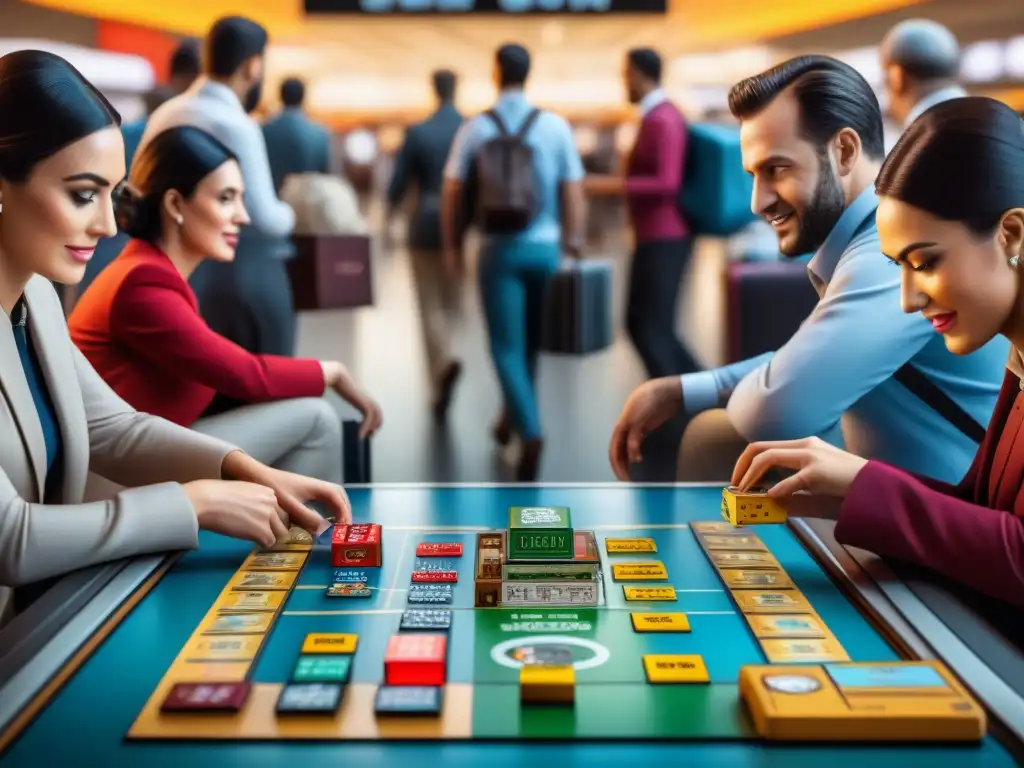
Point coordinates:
pixel 152 317
pixel 890 513
pixel 668 140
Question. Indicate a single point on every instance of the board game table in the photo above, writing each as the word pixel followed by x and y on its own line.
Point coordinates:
pixel 80 670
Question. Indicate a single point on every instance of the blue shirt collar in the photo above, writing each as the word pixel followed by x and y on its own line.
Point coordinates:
pixel 823 264
pixel 516 96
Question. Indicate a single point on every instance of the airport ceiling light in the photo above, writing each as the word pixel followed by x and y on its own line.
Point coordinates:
pixel 108 71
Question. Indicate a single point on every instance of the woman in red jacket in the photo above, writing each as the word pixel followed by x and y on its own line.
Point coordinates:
pixel 951 217
pixel 139 324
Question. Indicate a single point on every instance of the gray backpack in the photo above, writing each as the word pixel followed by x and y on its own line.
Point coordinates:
pixel 506 185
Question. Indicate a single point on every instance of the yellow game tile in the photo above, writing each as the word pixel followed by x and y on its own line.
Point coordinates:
pixel 660 622
pixel 613 546
pixel 790 651
pixel 767 625
pixel 752 507
pixel 202 671
pixel 649 593
pixel 249 602
pixel 712 527
pixel 274 561
pixel 541 684
pixel 330 643
pixel 246 581
pixel 676 669
pixel 297 539
pixel 771 601
pixel 652 571
pixel 746 560
pixel 734 542
pixel 740 578
pixel 223 648
pixel 237 624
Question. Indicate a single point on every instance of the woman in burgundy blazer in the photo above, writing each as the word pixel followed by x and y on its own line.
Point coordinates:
pixel 139 323
pixel 951 216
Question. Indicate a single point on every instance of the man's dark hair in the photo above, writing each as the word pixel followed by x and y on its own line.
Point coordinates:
pixel 444 84
pixel 231 41
pixel 185 60
pixel 513 65
pixel 832 95
pixel 647 62
pixel 292 92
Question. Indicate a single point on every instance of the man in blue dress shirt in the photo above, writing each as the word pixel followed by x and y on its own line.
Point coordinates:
pixel 859 372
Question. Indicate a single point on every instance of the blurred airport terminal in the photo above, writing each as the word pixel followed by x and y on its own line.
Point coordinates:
pixel 364 71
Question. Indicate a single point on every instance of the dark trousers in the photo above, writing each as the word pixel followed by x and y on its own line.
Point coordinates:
pixel 654 281
pixel 248 301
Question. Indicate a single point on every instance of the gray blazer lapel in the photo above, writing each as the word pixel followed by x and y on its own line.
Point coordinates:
pixel 19 399
pixel 54 350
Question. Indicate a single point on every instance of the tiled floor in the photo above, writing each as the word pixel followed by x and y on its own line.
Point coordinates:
pixel 580 398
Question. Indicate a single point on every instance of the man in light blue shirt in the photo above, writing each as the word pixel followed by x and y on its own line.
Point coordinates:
pixel 860 372
pixel 514 267
pixel 248 300
pixel 920 61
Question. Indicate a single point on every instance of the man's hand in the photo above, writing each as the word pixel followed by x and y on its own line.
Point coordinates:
pixel 292 491
pixel 648 407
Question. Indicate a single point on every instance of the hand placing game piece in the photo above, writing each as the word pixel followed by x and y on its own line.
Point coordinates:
pixel 821 468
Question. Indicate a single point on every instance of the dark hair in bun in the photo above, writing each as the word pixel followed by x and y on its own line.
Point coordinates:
pixel 178 158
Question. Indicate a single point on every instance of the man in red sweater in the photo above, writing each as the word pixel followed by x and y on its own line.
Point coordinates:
pixel 651 185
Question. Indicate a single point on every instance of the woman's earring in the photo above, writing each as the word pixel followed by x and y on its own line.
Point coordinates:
pixel 180 219
pixel 1014 261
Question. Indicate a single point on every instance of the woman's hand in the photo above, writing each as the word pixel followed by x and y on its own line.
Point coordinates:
pixel 238 509
pixel 292 491
pixel 337 377
pixel 822 469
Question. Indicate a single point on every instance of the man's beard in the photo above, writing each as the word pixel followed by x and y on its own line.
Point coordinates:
pixel 821 214
pixel 253 96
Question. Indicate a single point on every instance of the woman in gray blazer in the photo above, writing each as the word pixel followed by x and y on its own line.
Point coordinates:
pixel 61 157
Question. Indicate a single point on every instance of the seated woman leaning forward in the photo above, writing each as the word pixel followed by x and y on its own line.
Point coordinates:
pixel 139 323
pixel 61 155
pixel 951 217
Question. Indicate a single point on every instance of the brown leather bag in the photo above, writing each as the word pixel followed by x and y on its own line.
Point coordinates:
pixel 331 272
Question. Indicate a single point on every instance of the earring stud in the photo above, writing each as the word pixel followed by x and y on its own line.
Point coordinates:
pixel 1014 262
pixel 180 220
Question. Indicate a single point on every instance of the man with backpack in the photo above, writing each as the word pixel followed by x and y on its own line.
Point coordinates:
pixel 518 171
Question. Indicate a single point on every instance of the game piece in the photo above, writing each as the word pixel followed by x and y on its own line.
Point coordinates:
pixel 487 580
pixel 748 560
pixel 356 545
pixel 408 700
pixel 652 571
pixel 788 651
pixel 667 594
pixel 782 625
pixel 416 659
pixel 771 601
pixel 540 533
pixel 902 701
pixel 310 698
pixel 206 697
pixel 541 684
pixel 435 577
pixel 426 618
pixel 438 549
pixel 660 622
pixel 751 507
pixel 551 571
pixel 629 545
pixel 223 648
pixel 319 642
pixel 704 527
pixel 322 669
pixel 349 576
pixel 348 590
pixel 544 655
pixel 297 539
pixel 240 624
pixel 661 668
pixel 274 561
pixel 432 594
pixel 733 542
pixel 245 581
pixel 738 578
pixel 549 593
pixel 251 602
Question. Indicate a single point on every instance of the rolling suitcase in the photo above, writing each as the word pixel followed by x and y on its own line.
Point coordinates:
pixel 578 308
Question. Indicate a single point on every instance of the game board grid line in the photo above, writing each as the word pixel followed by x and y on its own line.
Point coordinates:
pixel 398 571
